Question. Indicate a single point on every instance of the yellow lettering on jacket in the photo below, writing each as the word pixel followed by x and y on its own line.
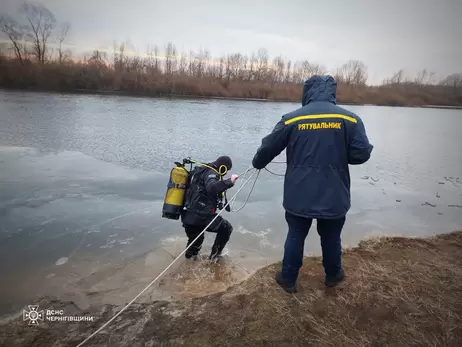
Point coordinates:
pixel 317 126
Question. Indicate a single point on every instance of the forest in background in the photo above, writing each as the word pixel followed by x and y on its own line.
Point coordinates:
pixel 34 57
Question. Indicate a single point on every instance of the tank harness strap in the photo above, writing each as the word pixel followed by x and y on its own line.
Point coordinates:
pixel 220 174
pixel 210 167
pixel 173 185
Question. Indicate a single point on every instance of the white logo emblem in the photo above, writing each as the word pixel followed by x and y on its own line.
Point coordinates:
pixel 33 315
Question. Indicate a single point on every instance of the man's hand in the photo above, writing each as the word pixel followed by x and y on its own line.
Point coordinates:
pixel 234 178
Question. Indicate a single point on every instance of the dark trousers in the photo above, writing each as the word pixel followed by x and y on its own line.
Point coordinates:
pixel 328 229
pixel 221 227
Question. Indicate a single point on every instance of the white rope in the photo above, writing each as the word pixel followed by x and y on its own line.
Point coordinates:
pixel 248 196
pixel 165 270
pixel 243 175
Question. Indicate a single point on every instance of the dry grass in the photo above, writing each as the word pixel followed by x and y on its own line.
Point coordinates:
pixel 398 292
pixel 101 77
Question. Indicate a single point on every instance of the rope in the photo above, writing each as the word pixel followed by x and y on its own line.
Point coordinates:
pixel 248 196
pixel 273 173
pixel 220 172
pixel 256 178
pixel 243 175
pixel 165 270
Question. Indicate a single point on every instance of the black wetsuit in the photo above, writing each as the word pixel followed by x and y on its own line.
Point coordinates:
pixel 203 196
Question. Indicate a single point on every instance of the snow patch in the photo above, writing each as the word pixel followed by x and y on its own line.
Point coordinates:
pixel 62 261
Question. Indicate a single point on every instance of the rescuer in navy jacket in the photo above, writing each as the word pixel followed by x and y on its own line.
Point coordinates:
pixel 321 139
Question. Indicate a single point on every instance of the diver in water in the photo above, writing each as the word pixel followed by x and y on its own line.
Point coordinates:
pixel 205 194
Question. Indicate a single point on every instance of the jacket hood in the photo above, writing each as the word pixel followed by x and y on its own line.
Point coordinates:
pixel 319 88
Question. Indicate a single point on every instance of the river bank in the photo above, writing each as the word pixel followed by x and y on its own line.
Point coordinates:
pixel 398 291
pixel 199 97
pixel 101 77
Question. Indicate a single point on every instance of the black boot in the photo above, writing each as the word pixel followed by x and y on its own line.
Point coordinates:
pixel 223 234
pixel 215 255
pixel 332 281
pixel 191 256
pixel 192 252
pixel 194 249
pixel 289 287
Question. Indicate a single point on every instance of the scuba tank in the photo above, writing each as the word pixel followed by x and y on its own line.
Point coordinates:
pixel 176 189
pixel 177 185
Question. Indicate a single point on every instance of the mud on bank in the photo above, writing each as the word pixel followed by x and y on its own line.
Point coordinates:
pixel 398 291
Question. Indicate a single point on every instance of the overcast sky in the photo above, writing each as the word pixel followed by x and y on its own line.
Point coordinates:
pixel 385 35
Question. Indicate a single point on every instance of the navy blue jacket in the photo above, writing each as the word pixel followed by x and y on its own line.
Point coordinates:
pixel 320 139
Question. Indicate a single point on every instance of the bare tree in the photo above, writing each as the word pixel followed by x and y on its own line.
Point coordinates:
pixel 228 68
pixel 41 23
pixel 304 69
pixel 157 67
pixel 191 71
pixel 221 69
pixel 396 79
pixel 454 81
pixel 212 69
pixel 252 66
pixel 170 59
pixel 297 73
pixel 235 66
pixel 278 69
pixel 262 64
pixel 174 59
pixel 307 69
pixel 63 55
pixel 151 63
pixel 168 64
pixel 183 63
pixel 135 63
pixel 148 62
pixel 244 67
pixel 206 58
pixel 424 77
pixel 115 56
pixel 353 72
pixel 317 69
pixel 288 73
pixel 98 58
pixel 15 33
pixel 119 57
pixel 199 62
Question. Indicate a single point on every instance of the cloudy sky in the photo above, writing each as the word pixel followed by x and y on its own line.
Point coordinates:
pixel 385 35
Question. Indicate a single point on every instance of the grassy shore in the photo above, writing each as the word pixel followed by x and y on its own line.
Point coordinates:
pixel 101 77
pixel 398 292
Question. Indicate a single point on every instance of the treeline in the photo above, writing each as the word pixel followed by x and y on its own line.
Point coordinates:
pixel 35 58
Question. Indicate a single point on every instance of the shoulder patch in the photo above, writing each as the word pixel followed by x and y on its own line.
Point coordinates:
pixel 213 176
